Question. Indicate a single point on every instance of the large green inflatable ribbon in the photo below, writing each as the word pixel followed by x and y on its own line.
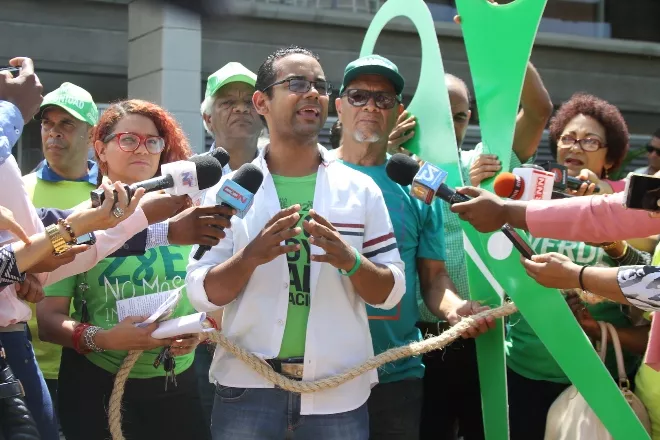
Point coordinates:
pixel 499 41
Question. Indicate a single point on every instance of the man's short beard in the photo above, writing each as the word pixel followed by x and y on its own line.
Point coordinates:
pixel 361 137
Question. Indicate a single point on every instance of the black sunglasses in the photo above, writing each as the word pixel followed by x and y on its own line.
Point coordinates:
pixel 301 85
pixel 360 98
pixel 651 149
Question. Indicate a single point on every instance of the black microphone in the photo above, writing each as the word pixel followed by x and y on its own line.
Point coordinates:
pixel 427 181
pixel 219 153
pixel 237 193
pixel 182 177
pixel 563 180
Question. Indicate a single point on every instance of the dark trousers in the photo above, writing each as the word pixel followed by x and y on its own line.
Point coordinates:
pixel 452 398
pixel 20 357
pixel 395 409
pixel 206 390
pixel 148 411
pixel 529 402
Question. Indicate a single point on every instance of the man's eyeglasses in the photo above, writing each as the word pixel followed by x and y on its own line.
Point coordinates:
pixel 360 98
pixel 651 149
pixel 587 144
pixel 130 142
pixel 301 85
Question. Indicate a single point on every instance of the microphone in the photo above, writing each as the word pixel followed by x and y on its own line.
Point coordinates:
pixel 178 178
pixel 563 180
pixel 511 186
pixel 223 157
pixel 219 153
pixel 428 181
pixel 237 193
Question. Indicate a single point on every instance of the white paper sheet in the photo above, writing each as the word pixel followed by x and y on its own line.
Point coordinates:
pixel 158 306
pixel 182 326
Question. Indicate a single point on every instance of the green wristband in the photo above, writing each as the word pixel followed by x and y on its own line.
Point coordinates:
pixel 356 266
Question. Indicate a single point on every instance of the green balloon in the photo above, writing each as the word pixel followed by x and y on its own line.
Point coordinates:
pixel 499 41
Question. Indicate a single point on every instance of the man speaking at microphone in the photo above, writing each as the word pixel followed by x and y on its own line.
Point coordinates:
pixel 368 106
pixel 295 273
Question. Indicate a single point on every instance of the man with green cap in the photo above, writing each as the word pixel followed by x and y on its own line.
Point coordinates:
pixel 65 177
pixel 62 180
pixel 231 119
pixel 229 115
pixel 369 104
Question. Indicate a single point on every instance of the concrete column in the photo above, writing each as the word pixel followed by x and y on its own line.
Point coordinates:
pixel 165 61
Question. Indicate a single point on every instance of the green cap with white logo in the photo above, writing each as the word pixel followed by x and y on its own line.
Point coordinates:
pixel 229 73
pixel 373 65
pixel 74 100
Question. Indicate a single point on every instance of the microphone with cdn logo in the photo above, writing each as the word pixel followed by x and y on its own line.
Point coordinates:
pixel 237 193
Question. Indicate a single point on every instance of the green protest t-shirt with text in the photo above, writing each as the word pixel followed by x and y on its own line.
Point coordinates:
pixel 292 191
pixel 527 355
pixel 158 270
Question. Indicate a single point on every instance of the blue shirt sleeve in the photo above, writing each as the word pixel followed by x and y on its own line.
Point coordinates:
pixel 50 216
pixel 432 237
pixel 11 128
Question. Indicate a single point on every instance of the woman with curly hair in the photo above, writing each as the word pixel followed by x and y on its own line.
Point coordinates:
pixel 132 139
pixel 591 141
pixel 590 137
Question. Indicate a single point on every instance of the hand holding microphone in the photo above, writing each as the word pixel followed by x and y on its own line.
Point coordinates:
pixel 237 193
pixel 486 212
pixel 585 184
pixel 178 178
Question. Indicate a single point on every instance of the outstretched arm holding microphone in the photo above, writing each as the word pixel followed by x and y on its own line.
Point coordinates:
pixel 46 251
pixel 590 218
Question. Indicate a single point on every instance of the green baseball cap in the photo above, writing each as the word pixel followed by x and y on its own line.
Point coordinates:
pixel 373 65
pixel 229 73
pixel 74 100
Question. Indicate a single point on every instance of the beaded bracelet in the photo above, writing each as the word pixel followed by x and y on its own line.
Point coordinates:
pixel 89 334
pixel 69 230
pixel 77 336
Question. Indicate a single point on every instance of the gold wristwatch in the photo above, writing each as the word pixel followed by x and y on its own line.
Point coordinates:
pixel 59 244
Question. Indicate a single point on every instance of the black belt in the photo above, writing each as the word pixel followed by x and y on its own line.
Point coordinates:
pixel 433 328
pixel 290 367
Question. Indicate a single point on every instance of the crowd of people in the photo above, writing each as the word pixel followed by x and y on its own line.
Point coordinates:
pixel 333 263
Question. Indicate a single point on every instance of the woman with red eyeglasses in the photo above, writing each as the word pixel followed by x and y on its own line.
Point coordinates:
pixel 132 139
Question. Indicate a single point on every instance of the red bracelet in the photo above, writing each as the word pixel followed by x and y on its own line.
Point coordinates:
pixel 78 331
pixel 212 321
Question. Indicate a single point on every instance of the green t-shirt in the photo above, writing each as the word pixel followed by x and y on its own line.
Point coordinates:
pixel 291 191
pixel 527 355
pixel 158 270
pixel 419 234
pixel 64 194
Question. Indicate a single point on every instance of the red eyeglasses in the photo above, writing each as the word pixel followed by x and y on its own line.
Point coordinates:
pixel 130 142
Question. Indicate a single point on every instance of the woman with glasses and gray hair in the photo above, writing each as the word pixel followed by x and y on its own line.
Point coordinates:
pixel 591 140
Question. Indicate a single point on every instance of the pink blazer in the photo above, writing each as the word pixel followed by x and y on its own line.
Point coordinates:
pixel 592 218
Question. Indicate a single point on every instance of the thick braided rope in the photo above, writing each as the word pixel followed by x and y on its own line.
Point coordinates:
pixel 114 411
pixel 261 367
